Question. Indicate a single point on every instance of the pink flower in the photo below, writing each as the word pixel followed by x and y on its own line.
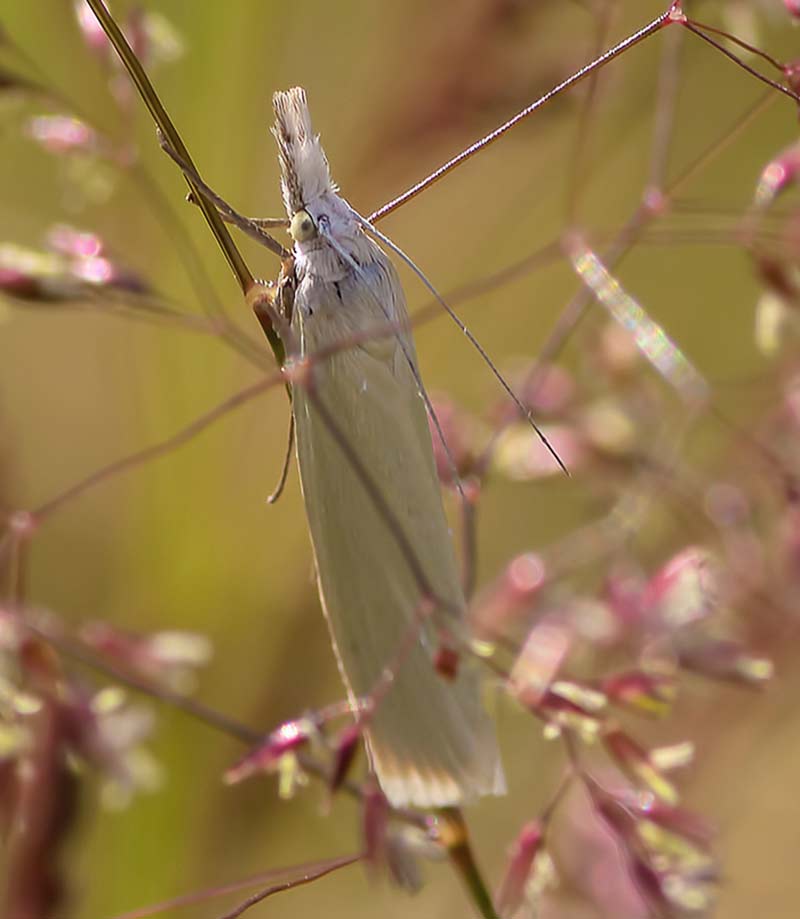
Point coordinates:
pixel 283 741
pixel 521 859
pixel 60 134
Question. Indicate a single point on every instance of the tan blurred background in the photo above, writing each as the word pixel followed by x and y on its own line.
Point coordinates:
pixel 188 542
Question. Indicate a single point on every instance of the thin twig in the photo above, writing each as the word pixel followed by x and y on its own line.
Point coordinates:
pixel 159 114
pixel 454 835
pixel 580 166
pixel 154 451
pixel 203 896
pixel 618 49
pixel 306 878
pixel 741 43
pixel 743 64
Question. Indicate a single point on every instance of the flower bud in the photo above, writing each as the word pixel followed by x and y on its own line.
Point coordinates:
pixel 282 742
pixel 522 855
pixel 636 763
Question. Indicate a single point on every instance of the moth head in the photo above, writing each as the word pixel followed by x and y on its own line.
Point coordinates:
pixel 302 227
pixel 305 174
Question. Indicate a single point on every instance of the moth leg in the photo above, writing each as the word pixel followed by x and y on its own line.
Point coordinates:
pixel 265 223
pixel 268 222
pixel 287 461
pixel 254 228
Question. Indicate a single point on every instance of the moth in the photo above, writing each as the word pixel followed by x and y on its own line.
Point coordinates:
pixel 429 740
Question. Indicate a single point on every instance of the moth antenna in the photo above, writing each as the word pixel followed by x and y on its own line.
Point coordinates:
pixel 472 339
pixel 287 460
pixel 423 393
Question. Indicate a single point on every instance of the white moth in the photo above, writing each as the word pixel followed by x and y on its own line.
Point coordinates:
pixel 430 742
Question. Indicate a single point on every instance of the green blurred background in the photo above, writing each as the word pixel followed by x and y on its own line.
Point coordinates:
pixel 189 542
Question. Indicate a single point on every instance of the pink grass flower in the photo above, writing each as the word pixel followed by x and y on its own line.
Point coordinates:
pixel 522 856
pixel 283 741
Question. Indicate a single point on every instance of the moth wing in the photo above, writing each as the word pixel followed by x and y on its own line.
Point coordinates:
pixel 430 742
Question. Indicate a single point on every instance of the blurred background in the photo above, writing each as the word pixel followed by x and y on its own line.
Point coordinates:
pixel 188 542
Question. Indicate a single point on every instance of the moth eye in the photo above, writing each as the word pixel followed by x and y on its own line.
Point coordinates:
pixel 302 227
